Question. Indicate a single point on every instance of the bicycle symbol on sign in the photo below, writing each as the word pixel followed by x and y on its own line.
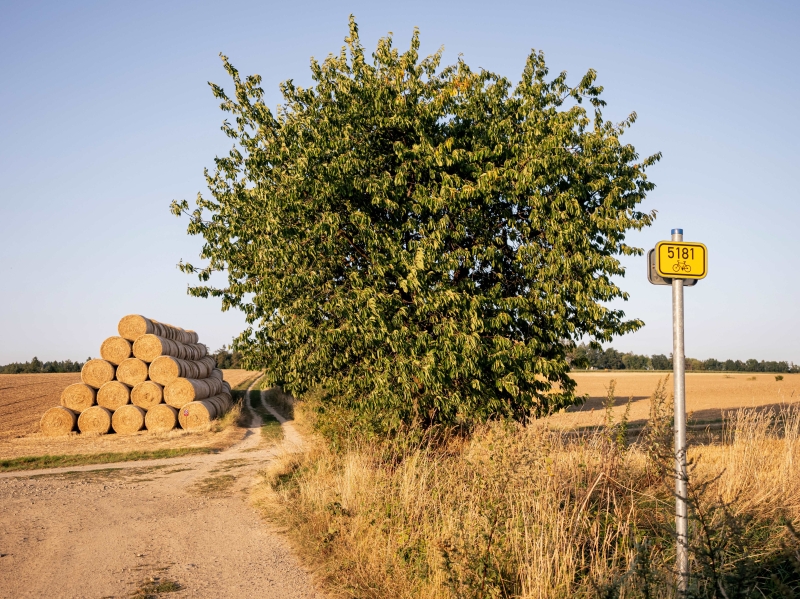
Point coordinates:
pixel 681 265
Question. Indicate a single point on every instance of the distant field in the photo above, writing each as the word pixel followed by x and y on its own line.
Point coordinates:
pixel 25 397
pixel 707 395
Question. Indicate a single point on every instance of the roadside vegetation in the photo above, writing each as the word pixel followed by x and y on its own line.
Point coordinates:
pixel 520 510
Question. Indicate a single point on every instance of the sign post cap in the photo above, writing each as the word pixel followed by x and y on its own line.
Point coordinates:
pixel 677 231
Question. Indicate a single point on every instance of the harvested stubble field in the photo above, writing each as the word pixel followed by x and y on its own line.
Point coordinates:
pixel 25 397
pixel 708 395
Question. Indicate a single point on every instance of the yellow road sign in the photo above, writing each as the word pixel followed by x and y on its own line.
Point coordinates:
pixel 681 259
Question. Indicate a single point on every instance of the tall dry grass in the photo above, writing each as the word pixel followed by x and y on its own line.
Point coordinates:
pixel 525 511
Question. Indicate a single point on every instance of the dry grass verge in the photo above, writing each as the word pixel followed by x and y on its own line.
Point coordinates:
pixel 526 511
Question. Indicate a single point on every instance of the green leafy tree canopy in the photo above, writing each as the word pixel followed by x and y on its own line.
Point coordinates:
pixel 423 242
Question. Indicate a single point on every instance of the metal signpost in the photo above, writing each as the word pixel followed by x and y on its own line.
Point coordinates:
pixel 680 264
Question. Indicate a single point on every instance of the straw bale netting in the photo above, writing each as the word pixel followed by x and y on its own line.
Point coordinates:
pixel 134 326
pixel 58 421
pixel 78 397
pixel 132 372
pixel 115 350
pixel 128 420
pixel 197 415
pixel 182 390
pixel 113 395
pixel 149 347
pixel 96 419
pixel 161 418
pixel 226 392
pixel 96 373
pixel 221 402
pixel 166 369
pixel 147 395
pixel 214 401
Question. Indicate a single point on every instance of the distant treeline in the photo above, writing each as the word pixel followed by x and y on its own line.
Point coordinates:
pixel 36 366
pixel 585 357
pixel 223 357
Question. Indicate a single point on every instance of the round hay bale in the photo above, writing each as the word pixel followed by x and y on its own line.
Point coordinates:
pixel 166 369
pixel 97 373
pixel 222 402
pixel 96 419
pixel 182 390
pixel 149 347
pixel 210 365
pixel 78 397
pixel 161 418
pixel 195 351
pixel 132 372
pixel 58 421
pixel 216 373
pixel 128 419
pixel 218 405
pixel 115 350
pixel 133 326
pixel 196 415
pixel 147 395
pixel 227 403
pixel 193 336
pixel 176 333
pixel 113 395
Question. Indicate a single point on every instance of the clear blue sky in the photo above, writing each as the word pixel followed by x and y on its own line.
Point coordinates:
pixel 106 116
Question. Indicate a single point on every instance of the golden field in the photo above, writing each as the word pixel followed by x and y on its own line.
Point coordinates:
pixel 708 395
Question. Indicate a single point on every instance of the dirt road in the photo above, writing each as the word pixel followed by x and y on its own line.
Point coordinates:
pixel 146 527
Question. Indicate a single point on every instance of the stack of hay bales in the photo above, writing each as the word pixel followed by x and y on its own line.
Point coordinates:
pixel 152 376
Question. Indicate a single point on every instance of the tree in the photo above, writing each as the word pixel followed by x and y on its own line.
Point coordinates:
pixel 613 360
pixel 636 362
pixel 227 359
pixel 424 243
pixel 661 362
pixel 37 366
pixel 694 364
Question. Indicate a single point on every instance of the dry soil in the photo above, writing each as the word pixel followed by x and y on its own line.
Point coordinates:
pixel 118 530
